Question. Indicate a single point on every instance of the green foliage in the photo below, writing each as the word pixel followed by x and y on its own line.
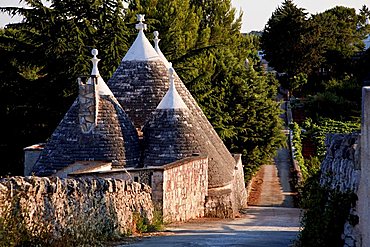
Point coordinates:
pixel 50 48
pixel 326 211
pixel 340 33
pixel 324 126
pixel 142 224
pixel 298 81
pixel 297 145
pixel 322 46
pixel 312 165
pixel 339 96
pixel 283 40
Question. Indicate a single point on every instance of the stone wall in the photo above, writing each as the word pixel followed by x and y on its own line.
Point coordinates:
pixel 341 170
pixel 240 192
pixel 364 188
pixel 220 203
pixel 341 167
pixel 185 186
pixel 179 189
pixel 65 203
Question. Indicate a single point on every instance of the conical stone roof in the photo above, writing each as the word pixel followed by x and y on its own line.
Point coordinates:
pixel 113 137
pixel 173 133
pixel 170 134
pixel 139 84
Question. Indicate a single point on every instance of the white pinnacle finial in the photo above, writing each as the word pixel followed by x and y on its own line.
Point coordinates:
pixel 95 61
pixel 156 41
pixel 172 77
pixel 172 99
pixel 140 26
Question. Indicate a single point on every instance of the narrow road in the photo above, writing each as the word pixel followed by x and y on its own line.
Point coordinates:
pixel 271 187
pixel 258 227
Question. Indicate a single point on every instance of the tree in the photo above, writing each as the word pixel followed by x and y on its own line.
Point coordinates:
pixel 340 32
pixel 238 101
pixel 43 56
pixel 201 38
pixel 282 38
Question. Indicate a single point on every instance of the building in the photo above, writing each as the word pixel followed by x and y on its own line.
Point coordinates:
pixel 145 125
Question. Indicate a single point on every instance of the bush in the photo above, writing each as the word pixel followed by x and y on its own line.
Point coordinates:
pixel 336 96
pixel 318 131
pixel 297 145
pixel 326 211
pixel 142 224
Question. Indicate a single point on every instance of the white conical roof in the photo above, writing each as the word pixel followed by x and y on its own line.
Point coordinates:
pixel 102 87
pixel 158 50
pixel 172 99
pixel 141 49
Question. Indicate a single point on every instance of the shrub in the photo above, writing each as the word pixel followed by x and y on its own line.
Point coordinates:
pixel 326 211
pixel 318 131
pixel 141 224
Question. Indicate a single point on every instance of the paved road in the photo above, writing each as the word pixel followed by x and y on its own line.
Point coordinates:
pixel 259 227
pixel 273 182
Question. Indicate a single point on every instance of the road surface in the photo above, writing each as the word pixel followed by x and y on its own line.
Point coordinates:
pixel 259 227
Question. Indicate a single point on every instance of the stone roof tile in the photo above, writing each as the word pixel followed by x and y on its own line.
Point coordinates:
pixel 113 139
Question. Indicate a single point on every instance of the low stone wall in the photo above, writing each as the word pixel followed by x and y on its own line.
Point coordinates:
pixel 185 186
pixel 341 167
pixel 364 187
pixel 240 192
pixel 341 170
pixel 179 189
pixel 65 203
pixel 219 203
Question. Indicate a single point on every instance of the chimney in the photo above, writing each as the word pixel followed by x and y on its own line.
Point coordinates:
pixel 89 98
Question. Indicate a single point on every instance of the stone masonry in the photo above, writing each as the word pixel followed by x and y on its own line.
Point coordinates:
pixel 63 203
pixel 364 188
pixel 89 102
pixel 341 170
pixel 341 167
pixel 179 189
pixel 113 139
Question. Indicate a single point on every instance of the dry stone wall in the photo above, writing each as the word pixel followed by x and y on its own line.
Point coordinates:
pixel 179 189
pixel 220 203
pixel 341 166
pixel 240 192
pixel 65 203
pixel 341 170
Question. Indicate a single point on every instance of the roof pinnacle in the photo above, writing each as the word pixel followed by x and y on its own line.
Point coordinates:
pixel 172 77
pixel 156 40
pixel 95 61
pixel 140 26
pixel 158 50
pixel 172 99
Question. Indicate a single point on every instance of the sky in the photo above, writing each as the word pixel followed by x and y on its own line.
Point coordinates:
pixel 256 12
